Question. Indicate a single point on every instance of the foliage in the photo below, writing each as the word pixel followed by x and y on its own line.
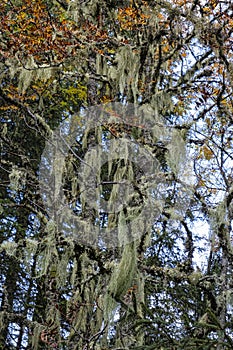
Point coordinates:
pixel 172 287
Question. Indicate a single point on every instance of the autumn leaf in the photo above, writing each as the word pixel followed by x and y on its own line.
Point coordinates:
pixel 206 152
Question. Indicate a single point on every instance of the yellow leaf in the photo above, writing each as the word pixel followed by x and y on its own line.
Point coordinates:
pixel 22 15
pixel 201 183
pixel 208 154
pixel 208 122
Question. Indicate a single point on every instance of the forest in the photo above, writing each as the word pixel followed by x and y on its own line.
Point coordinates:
pixel 116 175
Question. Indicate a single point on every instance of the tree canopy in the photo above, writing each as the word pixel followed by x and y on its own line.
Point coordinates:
pixel 94 96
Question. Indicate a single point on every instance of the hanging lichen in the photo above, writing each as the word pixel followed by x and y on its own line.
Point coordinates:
pixel 121 277
pixel 125 72
pixel 37 330
pixel 176 155
pixel 49 252
pixel 17 179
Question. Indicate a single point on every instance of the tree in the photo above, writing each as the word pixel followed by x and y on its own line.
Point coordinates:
pixel 152 78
